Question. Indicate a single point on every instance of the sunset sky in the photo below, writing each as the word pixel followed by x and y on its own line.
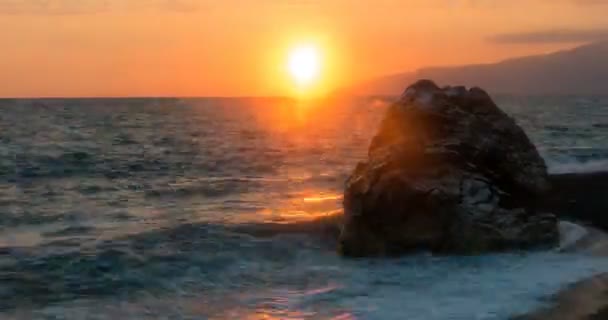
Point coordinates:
pixel 241 47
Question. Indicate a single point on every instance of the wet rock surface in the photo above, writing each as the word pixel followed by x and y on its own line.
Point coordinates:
pixel 450 172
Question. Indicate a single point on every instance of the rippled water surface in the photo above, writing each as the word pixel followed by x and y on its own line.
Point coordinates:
pixel 197 209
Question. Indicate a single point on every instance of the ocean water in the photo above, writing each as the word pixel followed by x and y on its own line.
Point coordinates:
pixel 199 209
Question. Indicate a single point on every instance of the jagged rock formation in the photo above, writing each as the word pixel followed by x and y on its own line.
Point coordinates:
pixel 448 171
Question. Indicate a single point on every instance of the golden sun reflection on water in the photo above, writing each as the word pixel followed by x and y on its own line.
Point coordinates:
pixel 306 206
pixel 284 304
pixel 322 198
pixel 295 315
pixel 296 216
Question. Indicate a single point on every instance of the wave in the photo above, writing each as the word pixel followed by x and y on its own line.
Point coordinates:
pixel 558 128
pixel 204 187
pixel 327 226
pixel 600 165
pixel 291 280
pixel 154 260
pixel 570 233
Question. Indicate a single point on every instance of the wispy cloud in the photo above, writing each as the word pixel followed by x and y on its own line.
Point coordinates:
pixel 71 7
pixel 591 2
pixel 51 7
pixel 181 5
pixel 551 36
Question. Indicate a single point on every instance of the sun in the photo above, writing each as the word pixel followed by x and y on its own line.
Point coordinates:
pixel 304 65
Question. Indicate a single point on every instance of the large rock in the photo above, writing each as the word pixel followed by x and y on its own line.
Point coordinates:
pixel 448 171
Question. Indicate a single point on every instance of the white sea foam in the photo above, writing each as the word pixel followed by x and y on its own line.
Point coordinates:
pixel 570 233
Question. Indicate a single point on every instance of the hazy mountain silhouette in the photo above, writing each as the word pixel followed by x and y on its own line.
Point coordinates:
pixel 583 70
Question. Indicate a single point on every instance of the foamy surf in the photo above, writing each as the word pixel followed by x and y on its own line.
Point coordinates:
pixel 570 233
pixel 322 286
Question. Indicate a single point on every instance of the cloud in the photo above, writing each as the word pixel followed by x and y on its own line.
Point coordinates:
pixel 591 2
pixel 73 7
pixel 551 36
pixel 181 5
pixel 15 7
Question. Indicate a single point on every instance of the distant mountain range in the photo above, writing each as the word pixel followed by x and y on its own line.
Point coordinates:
pixel 583 70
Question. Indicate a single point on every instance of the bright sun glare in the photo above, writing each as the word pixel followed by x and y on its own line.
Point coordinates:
pixel 304 65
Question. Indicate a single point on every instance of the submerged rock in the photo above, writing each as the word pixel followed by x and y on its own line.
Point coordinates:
pixel 447 171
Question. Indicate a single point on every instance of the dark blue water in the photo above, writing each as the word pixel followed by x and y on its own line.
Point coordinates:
pixel 186 209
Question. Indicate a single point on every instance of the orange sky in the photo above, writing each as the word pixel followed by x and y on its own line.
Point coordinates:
pixel 239 47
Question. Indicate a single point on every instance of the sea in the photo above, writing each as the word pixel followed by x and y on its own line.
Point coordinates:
pixel 200 208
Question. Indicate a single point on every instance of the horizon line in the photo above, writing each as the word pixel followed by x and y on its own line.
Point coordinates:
pixel 371 95
pixel 59 97
pixel 328 96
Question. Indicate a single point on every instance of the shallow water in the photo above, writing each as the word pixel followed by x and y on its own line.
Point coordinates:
pixel 178 209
